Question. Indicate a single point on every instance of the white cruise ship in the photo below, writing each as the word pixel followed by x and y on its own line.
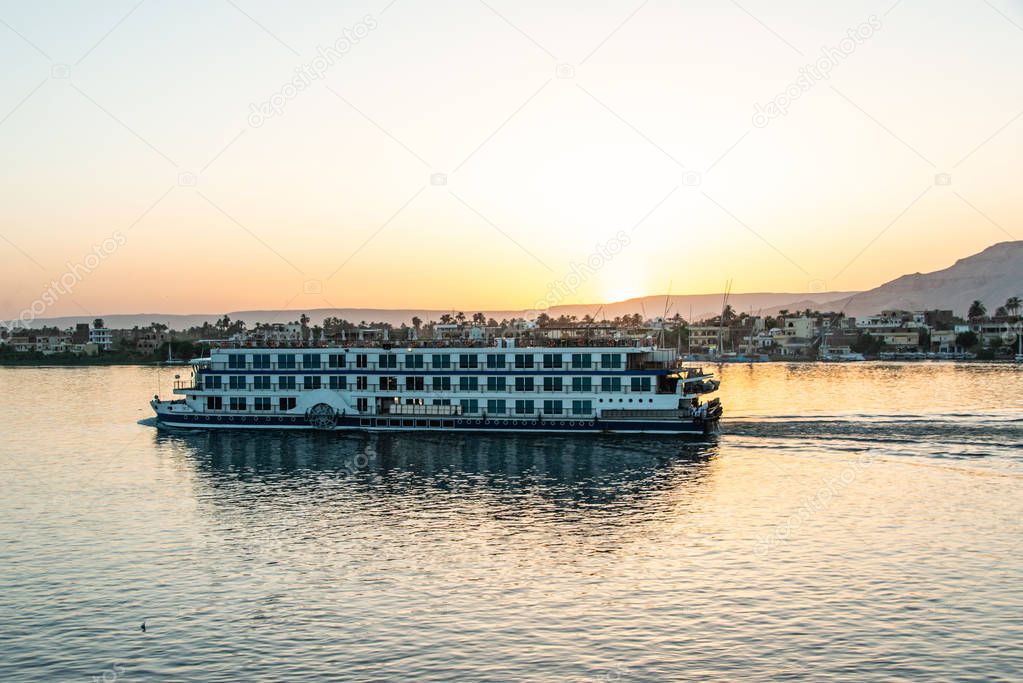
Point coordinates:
pixel 501 387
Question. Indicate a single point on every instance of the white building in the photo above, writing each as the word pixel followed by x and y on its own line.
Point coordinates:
pixel 102 338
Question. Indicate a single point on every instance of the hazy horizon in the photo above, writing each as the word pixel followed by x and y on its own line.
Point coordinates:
pixel 485 155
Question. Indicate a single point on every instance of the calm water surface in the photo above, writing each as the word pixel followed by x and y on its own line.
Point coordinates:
pixel 854 522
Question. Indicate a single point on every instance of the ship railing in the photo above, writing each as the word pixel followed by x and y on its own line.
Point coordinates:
pixel 223 366
pixel 426 389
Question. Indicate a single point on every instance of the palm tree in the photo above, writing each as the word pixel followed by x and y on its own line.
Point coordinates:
pixel 479 318
pixel 98 323
pixel 977 310
pixel 445 319
pixel 416 322
pixel 1012 304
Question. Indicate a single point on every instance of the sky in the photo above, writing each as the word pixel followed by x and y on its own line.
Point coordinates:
pixel 186 156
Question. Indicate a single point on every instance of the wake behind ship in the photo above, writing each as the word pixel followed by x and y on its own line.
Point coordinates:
pixel 501 387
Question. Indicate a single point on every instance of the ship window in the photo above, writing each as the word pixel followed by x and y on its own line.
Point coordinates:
pixel 414 361
pixel 581 361
pixel 361 383
pixel 610 360
pixel 311 361
pixel 236 381
pixel 641 384
pixel 468 360
pixel 388 383
pixel 470 406
pixel 442 384
pixel 338 382
pixel 336 360
pixel 261 403
pixel 286 382
pixel 552 407
pixel 524 384
pixel 214 403
pixel 553 384
pixel 286 361
pixel 496 384
pixel 415 383
pixel 582 384
pixel 523 407
pixel 552 360
pixel 238 403
pixel 362 404
pixel 361 360
pixel 388 362
pixel 441 360
pixel 261 361
pixel 610 383
pixel 442 401
pixel 582 407
pixel 496 407
pixel 523 360
pixel 311 382
pixel 469 383
pixel 261 382
pixel 213 381
pixel 495 361
pixel 236 361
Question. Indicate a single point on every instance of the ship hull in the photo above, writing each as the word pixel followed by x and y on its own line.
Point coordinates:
pixel 413 424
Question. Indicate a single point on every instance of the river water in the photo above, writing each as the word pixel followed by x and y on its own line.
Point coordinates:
pixel 853 522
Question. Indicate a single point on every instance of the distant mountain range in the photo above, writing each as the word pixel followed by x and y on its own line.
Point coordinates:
pixel 991 276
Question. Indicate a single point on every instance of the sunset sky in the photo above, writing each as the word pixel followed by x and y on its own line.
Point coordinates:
pixel 468 153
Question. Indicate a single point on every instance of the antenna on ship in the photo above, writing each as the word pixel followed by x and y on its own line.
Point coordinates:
pixel 664 316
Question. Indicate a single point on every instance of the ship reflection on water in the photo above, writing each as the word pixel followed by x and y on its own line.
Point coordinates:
pixel 591 469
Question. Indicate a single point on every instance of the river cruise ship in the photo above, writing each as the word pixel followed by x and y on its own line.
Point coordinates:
pixel 500 387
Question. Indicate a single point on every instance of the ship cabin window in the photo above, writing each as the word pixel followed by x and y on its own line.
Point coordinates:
pixel 441 360
pixel 524 407
pixel 582 407
pixel 261 382
pixel 213 381
pixel 469 383
pixel 414 361
pixel 388 384
pixel 468 360
pixel 582 384
pixel 470 406
pixel 524 384
pixel 610 383
pixel 552 360
pixel 415 383
pixel 442 384
pixel 389 362
pixel 496 406
pixel 238 403
pixel 362 404
pixel 261 361
pixel 523 360
pixel 236 361
pixel 236 381
pixel 495 361
pixel 496 384
pixel 286 361
pixel 311 361
pixel 336 360
pixel 214 403
pixel 611 360
pixel 261 403
pixel 361 383
pixel 553 384
pixel 361 360
pixel 552 407
pixel 311 382
pixel 641 384
pixel 338 382
pixel 581 361
pixel 442 401
pixel 286 382
pixel 286 403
